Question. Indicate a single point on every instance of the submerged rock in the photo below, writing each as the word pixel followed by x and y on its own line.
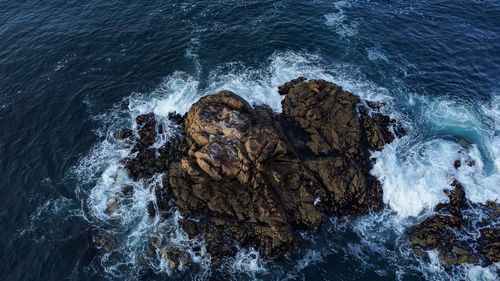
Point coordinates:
pixel 112 204
pixel 454 235
pixel 102 241
pixel 128 190
pixel 254 177
pixel 124 133
pixel 175 257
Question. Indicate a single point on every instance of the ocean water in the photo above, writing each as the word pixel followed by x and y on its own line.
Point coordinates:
pixel 73 72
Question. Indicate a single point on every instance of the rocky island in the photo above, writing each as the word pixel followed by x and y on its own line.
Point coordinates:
pixel 245 175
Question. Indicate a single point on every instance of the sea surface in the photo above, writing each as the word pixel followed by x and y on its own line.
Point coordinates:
pixel 74 72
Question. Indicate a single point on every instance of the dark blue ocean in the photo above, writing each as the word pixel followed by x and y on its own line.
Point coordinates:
pixel 73 72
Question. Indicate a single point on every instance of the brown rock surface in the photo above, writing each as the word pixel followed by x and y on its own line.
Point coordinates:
pixel 254 177
pixel 452 233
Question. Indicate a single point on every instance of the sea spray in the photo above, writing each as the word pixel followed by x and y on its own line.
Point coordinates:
pixel 410 162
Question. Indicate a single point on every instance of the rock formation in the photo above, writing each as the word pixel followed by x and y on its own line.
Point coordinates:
pixel 246 175
pixel 457 238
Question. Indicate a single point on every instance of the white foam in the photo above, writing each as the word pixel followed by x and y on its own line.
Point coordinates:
pixel 414 172
pixel 310 258
pixel 375 54
pixel 413 176
pixel 177 93
pixel 338 20
pixel 436 270
pixel 102 170
pixel 170 232
pixel 180 90
pixel 484 184
pixel 480 185
pixel 478 273
pixel 248 261
pixel 435 264
pixel 192 53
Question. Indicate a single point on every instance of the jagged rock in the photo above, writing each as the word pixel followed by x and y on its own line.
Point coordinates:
pixel 285 88
pixel 457 199
pixel 440 232
pixel 143 161
pixel 254 177
pixel 146 127
pixel 175 117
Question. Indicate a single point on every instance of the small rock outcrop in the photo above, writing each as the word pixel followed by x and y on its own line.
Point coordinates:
pixel 456 234
pixel 252 177
pixel 143 161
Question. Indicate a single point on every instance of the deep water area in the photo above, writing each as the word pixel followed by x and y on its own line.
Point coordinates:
pixel 73 73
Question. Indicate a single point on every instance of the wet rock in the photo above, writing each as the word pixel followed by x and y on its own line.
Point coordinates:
pixel 491 248
pixel 453 235
pixel 175 117
pixel 457 199
pixel 124 133
pixel 171 264
pixel 457 163
pixel 145 160
pixel 113 203
pixel 103 242
pixel 152 246
pixel 493 206
pixel 463 255
pixel 254 177
pixel 143 164
pixel 165 255
pixel 284 89
pixel 151 209
pixel 154 242
pixel 492 251
pixel 174 257
pixel 128 190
